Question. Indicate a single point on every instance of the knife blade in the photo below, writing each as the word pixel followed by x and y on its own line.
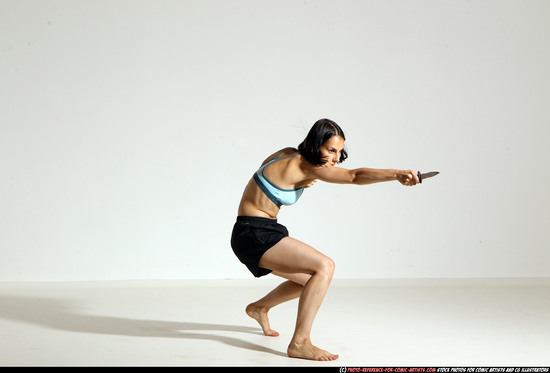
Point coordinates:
pixel 426 175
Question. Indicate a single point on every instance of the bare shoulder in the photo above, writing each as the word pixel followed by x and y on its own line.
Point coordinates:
pixel 282 152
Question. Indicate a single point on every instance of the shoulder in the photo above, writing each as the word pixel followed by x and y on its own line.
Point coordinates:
pixel 281 153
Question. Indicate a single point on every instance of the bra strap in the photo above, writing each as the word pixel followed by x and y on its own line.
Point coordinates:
pixel 276 158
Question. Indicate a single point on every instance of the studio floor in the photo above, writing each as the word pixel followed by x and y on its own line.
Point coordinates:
pixel 452 323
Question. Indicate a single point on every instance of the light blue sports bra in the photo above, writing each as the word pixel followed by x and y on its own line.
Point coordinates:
pixel 277 195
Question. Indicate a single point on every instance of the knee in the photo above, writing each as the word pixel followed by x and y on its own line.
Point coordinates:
pixel 326 267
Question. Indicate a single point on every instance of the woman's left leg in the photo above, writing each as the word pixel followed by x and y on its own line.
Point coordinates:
pixel 286 291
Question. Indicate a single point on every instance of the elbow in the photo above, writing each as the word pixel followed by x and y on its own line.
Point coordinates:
pixel 354 179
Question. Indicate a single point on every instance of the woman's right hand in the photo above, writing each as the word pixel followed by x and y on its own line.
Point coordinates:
pixel 310 184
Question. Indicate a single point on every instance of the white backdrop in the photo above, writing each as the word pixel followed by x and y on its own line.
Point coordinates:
pixel 130 128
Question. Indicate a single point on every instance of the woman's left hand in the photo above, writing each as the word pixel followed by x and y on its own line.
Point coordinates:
pixel 408 177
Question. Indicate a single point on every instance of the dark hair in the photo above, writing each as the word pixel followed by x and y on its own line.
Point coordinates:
pixel 321 131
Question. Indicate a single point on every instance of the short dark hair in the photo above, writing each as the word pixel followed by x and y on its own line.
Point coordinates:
pixel 321 131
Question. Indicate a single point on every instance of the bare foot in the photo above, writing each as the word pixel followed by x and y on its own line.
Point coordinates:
pixel 260 315
pixel 308 351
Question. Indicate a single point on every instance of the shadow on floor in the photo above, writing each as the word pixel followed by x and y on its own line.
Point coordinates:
pixel 59 314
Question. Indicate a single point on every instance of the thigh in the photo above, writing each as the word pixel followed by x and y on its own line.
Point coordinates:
pixel 292 256
pixel 299 278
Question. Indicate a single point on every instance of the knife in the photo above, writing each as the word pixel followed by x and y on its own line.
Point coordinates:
pixel 427 175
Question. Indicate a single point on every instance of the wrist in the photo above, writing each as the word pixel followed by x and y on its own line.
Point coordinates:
pixel 395 174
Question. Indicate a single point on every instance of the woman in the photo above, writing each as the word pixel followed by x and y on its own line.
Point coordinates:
pixel 264 245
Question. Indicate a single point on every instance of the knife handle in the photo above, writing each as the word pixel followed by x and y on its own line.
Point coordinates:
pixel 419 176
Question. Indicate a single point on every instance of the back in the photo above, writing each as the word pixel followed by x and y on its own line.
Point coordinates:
pixel 283 171
pixel 279 196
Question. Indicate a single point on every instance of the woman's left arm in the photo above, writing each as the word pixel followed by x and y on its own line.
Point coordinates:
pixel 364 176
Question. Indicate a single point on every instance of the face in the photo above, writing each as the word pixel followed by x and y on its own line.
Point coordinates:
pixel 331 150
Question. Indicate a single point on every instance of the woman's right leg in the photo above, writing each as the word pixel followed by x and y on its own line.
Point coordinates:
pixel 292 256
pixel 286 291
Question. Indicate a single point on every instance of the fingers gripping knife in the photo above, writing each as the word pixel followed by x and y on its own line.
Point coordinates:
pixel 427 175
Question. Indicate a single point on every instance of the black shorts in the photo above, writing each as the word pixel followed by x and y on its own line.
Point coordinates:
pixel 252 236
